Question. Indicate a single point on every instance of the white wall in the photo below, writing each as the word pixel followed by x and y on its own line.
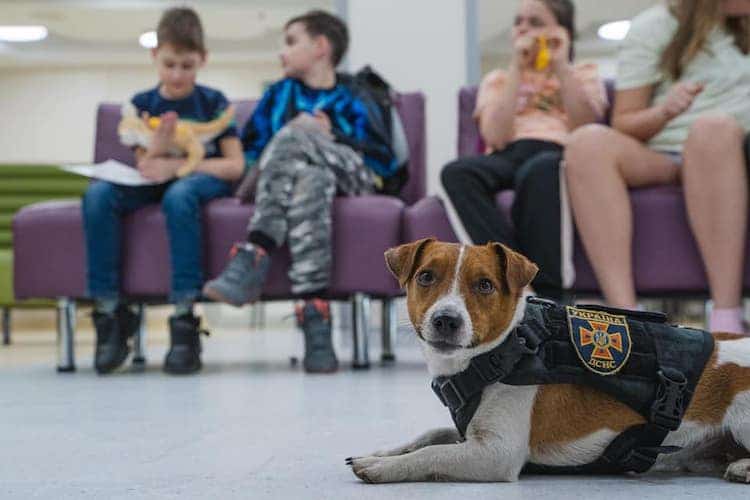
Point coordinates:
pixel 48 113
pixel 416 45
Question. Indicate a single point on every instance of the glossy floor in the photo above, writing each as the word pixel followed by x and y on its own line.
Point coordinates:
pixel 251 425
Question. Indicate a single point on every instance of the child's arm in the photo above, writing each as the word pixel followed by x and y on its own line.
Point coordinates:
pixel 496 106
pixel 230 166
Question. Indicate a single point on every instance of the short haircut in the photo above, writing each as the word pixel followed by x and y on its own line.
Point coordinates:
pixel 181 27
pixel 321 23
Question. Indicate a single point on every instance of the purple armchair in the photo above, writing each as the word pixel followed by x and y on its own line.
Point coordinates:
pixel 50 251
pixel 666 258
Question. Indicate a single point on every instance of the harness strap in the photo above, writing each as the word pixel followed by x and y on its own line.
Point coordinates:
pixel 539 351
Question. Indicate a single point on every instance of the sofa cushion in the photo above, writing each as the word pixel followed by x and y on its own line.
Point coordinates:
pixel 364 227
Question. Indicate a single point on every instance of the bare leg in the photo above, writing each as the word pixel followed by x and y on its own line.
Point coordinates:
pixel 716 197
pixel 600 165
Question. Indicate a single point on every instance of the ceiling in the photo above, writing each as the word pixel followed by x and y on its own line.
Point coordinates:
pixel 89 32
pixel 106 31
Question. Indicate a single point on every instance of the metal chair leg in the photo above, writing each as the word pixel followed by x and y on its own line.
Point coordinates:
pixel 388 333
pixel 6 325
pixel 66 325
pixel 708 308
pixel 360 322
pixel 139 340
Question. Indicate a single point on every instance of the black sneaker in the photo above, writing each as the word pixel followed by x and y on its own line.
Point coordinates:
pixel 112 334
pixel 315 320
pixel 184 354
pixel 241 282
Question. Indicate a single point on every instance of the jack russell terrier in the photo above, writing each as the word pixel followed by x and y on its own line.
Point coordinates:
pixel 537 387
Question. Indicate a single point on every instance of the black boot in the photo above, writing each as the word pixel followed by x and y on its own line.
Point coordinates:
pixel 112 334
pixel 314 318
pixel 184 354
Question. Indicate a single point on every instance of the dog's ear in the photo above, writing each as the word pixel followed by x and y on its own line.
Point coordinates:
pixel 516 271
pixel 402 260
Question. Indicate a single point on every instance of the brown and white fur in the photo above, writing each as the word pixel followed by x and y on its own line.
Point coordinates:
pixel 481 289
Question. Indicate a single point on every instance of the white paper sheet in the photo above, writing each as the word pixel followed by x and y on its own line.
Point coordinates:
pixel 112 171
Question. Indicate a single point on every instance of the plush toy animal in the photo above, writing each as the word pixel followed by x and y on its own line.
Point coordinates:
pixel 188 140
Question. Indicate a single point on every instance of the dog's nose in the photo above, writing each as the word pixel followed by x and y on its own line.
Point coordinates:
pixel 447 323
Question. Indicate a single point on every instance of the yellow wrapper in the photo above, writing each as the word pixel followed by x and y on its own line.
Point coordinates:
pixel 542 55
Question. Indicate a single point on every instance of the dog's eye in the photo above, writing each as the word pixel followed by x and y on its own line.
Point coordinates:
pixel 485 286
pixel 425 278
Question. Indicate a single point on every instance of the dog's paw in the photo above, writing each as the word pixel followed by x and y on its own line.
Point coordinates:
pixel 739 471
pixel 374 469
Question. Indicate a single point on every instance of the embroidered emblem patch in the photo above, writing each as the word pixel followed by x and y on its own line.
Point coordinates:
pixel 601 340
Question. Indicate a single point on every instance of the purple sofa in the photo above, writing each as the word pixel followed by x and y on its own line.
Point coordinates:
pixel 666 258
pixel 50 251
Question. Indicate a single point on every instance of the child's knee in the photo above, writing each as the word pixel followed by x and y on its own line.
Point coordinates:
pixel 179 200
pixel 98 196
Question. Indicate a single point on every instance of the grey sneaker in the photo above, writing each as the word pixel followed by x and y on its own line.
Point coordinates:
pixel 242 280
pixel 315 320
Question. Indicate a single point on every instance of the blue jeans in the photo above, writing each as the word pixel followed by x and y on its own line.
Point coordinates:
pixel 104 204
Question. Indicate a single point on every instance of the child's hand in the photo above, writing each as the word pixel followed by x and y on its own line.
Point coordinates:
pixel 322 118
pixel 158 169
pixel 523 52
pixel 318 121
pixel 558 44
pixel 163 134
pixel 680 97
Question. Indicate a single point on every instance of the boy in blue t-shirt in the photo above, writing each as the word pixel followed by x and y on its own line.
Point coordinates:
pixel 312 135
pixel 179 55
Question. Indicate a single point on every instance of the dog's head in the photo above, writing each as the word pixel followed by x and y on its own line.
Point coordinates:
pixel 460 297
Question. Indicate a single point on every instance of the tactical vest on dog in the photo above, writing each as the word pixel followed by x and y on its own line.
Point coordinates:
pixel 635 357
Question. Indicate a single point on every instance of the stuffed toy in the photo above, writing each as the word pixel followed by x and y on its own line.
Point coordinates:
pixel 189 136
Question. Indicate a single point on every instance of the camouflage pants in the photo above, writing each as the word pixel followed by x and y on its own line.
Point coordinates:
pixel 301 170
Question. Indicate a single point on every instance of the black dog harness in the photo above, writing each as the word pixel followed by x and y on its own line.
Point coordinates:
pixel 633 356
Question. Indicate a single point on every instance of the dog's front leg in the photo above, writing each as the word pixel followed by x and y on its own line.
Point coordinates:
pixel 466 461
pixel 443 435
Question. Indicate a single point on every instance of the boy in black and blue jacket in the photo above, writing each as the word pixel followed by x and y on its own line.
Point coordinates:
pixel 313 135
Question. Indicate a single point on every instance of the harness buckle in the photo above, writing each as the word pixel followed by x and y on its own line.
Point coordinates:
pixel 668 406
pixel 448 394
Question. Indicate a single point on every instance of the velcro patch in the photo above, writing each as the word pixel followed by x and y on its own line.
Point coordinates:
pixel 601 340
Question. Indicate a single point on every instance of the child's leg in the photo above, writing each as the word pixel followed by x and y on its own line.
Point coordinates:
pixel 332 167
pixel 242 279
pixel 283 158
pixel 182 205
pixel 103 206
pixel 536 218
pixel 309 221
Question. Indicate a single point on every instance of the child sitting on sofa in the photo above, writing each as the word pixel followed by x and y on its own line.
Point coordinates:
pixel 313 135
pixel 179 55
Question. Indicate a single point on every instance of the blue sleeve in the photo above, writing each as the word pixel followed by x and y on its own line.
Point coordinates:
pixel 220 103
pixel 258 130
pixel 362 127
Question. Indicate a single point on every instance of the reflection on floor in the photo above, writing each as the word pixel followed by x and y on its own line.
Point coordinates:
pixel 251 425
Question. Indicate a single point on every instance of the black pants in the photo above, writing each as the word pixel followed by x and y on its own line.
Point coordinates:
pixel 531 168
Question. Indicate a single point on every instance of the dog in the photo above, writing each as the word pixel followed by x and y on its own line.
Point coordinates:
pixel 465 300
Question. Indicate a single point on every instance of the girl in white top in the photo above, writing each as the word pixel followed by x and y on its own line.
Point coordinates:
pixel 681 112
